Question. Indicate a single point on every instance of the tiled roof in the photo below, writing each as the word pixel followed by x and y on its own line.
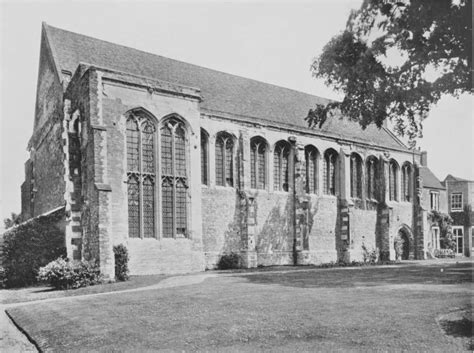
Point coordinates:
pixel 221 92
pixel 429 179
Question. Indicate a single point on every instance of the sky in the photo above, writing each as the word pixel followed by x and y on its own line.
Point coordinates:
pixel 274 42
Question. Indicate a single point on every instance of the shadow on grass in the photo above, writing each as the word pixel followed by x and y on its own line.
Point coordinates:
pixel 369 276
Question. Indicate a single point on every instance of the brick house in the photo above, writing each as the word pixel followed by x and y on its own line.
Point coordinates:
pixel 461 209
pixel 183 164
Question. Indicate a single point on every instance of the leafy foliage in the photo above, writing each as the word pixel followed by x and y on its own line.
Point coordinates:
pixel 31 245
pixel 64 274
pixel 398 243
pixel 444 222
pixel 370 256
pixel 121 262
pixel 229 261
pixel 383 61
pixel 14 220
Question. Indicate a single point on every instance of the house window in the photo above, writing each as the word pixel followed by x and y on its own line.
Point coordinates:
pixel 258 175
pixel 458 233
pixel 356 176
pixel 329 172
pixel 406 178
pixel 224 159
pixel 204 158
pixel 280 166
pixel 456 201
pixel 371 177
pixel 434 238
pixel 393 180
pixel 311 155
pixel 141 178
pixel 434 200
pixel 174 180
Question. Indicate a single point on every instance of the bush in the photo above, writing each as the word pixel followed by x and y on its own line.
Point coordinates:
pixel 31 245
pixel 64 274
pixel 229 261
pixel 370 256
pixel 3 277
pixel 398 245
pixel 121 262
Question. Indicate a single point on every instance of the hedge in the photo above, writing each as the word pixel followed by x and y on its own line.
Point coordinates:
pixel 31 245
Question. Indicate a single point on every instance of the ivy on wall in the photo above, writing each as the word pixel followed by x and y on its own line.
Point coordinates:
pixel 444 222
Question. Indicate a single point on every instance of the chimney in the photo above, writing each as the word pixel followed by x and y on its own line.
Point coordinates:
pixel 424 158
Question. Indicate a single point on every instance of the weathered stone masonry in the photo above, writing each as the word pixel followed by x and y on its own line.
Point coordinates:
pixel 265 225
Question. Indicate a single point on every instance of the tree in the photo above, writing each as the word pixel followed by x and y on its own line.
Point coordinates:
pixel 394 60
pixel 12 221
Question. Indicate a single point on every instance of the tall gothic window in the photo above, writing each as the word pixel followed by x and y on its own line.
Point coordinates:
pixel 258 175
pixel 204 158
pixel 141 177
pixel 393 180
pixel 281 155
pixel 371 176
pixel 174 180
pixel 311 155
pixel 330 160
pixel 406 182
pixel 356 176
pixel 224 159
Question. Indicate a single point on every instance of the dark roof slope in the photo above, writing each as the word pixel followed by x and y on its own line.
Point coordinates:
pixel 429 179
pixel 450 177
pixel 221 92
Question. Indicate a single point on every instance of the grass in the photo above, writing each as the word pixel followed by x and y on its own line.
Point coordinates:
pixel 360 309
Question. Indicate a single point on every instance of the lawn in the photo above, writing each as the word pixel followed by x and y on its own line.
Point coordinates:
pixel 360 309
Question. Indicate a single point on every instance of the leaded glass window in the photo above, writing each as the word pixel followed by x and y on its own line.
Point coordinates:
pixel 371 176
pixel 392 176
pixel 311 155
pixel 258 148
pixel 356 176
pixel 141 135
pixel 174 181
pixel 224 159
pixel 204 158
pixel 406 177
pixel 330 159
pixel 281 156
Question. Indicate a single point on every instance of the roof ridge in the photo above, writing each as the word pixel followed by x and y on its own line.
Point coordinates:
pixel 187 63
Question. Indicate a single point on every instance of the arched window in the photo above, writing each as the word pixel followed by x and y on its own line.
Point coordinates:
pixel 406 182
pixel 356 176
pixel 224 159
pixel 204 158
pixel 258 175
pixel 311 155
pixel 174 179
pixel 393 180
pixel 329 172
pixel 371 177
pixel 141 178
pixel 281 155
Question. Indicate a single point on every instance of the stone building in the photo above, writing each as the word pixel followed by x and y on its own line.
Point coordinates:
pixel 184 164
pixel 461 209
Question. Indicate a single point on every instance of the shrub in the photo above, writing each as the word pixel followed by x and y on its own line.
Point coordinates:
pixel 64 274
pixel 229 261
pixel 31 245
pixel 370 256
pixel 3 277
pixel 121 262
pixel 398 245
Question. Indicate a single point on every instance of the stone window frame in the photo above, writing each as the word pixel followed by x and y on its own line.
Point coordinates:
pixel 158 123
pixel 135 172
pixel 393 177
pixel 312 157
pixel 331 159
pixel 434 200
pixel 458 238
pixel 204 142
pixel 372 175
pixel 256 168
pixel 281 175
pixel 459 201
pixel 356 164
pixel 406 182
pixel 229 144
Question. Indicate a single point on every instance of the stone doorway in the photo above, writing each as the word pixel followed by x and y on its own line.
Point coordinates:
pixel 402 233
